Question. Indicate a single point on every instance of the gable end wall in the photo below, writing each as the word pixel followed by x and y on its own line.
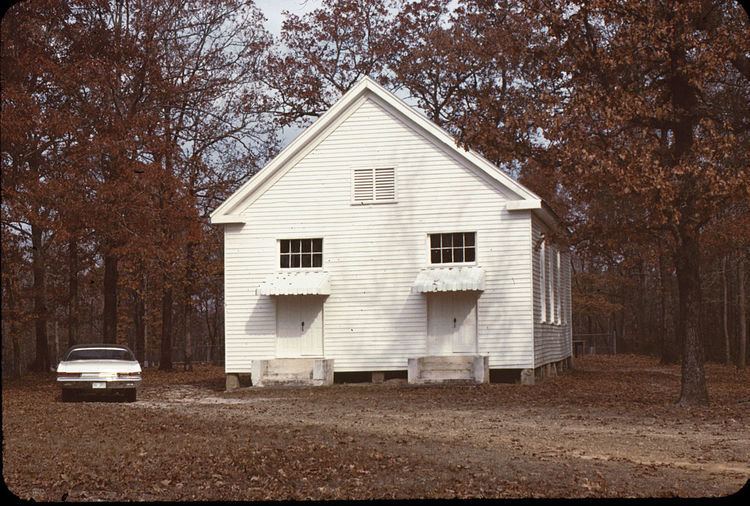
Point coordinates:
pixel 373 253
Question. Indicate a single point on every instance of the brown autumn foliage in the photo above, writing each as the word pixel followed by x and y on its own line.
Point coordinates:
pixel 144 116
pixel 323 53
pixel 125 123
pixel 647 130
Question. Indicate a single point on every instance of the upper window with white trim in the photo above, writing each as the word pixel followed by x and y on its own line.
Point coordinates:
pixel 300 253
pixel 373 185
pixel 456 247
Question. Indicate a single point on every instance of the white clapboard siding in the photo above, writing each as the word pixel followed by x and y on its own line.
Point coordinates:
pixel 373 253
pixel 552 341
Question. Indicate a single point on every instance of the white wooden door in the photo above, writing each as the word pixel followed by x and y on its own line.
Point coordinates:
pixel 451 323
pixel 439 325
pixel 465 326
pixel 299 326
pixel 288 328
pixel 311 324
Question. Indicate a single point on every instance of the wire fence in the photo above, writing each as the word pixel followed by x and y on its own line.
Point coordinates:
pixel 202 354
pixel 594 344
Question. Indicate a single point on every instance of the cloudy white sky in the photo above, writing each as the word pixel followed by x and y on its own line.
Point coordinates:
pixel 272 10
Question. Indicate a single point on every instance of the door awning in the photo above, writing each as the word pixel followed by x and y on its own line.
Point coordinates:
pixel 295 283
pixel 449 279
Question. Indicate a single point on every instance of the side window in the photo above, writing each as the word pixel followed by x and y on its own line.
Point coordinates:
pixel 558 287
pixel 543 282
pixel 300 253
pixel 551 285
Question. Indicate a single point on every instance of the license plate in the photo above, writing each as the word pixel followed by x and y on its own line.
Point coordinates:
pixel 99 385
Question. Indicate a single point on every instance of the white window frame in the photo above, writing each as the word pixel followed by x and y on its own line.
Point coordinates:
pixel 394 200
pixel 551 283
pixel 428 247
pixel 286 269
pixel 558 285
pixel 543 281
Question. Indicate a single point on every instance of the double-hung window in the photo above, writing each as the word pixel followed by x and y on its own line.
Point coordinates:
pixel 543 280
pixel 558 288
pixel 551 281
pixel 456 247
pixel 300 253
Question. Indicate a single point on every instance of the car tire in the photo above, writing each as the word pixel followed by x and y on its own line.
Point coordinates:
pixel 131 395
pixel 67 395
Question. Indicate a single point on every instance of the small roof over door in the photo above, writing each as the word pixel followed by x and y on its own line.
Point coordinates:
pixel 449 279
pixel 295 283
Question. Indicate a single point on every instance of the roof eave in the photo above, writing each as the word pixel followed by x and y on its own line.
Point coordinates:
pixel 287 153
pixel 225 219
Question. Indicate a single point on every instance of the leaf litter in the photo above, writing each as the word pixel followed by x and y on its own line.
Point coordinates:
pixel 608 428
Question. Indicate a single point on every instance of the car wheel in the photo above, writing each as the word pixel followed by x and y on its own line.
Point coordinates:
pixel 67 395
pixel 130 395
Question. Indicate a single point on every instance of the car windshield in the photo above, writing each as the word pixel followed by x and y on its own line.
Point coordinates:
pixel 100 354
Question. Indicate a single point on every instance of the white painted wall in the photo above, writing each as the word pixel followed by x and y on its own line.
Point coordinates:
pixel 373 253
pixel 552 342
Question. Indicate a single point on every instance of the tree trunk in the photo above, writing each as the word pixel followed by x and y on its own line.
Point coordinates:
pixel 57 342
pixel 725 315
pixel 72 291
pixel 640 301
pixel 669 353
pixel 188 337
pixel 188 308
pixel 209 334
pixel 687 262
pixel 145 340
pixel 13 328
pixel 165 360
pixel 139 322
pixel 742 345
pixel 41 361
pixel 109 327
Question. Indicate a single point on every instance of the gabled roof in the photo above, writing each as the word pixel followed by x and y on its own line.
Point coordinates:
pixel 228 211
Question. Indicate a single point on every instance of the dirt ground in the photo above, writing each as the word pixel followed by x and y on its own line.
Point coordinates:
pixel 609 428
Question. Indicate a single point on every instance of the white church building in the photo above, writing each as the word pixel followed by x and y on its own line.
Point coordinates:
pixel 373 244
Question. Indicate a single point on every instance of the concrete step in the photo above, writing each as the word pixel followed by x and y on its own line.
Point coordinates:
pixel 287 378
pixel 292 371
pixel 435 375
pixel 289 366
pixel 448 370
pixel 447 361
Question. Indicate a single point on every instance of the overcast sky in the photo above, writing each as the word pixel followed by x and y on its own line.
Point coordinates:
pixel 272 10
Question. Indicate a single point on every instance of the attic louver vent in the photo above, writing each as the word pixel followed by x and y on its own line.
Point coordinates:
pixel 374 185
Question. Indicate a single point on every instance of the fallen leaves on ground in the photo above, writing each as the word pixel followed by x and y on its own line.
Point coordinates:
pixel 609 428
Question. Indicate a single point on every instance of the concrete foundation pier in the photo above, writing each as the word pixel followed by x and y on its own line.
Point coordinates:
pixel 548 370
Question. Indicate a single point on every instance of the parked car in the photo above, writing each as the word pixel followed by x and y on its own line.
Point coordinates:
pixel 99 369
